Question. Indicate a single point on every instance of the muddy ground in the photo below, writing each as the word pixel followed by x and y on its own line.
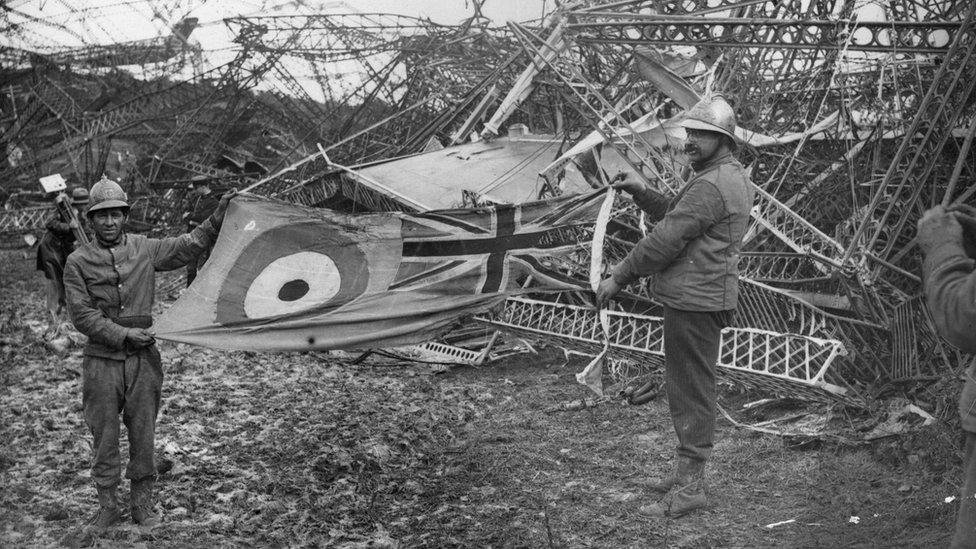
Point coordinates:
pixel 310 450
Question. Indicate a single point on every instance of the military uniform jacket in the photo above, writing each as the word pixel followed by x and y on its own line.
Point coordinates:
pixel 693 251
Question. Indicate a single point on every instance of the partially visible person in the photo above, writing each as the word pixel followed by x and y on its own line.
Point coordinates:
pixel 947 238
pixel 58 242
pixel 200 204
pixel 110 284
pixel 693 256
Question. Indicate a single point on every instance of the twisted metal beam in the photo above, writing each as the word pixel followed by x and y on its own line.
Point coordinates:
pixel 791 34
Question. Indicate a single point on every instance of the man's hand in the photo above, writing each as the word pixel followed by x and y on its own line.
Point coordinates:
pixel 938 226
pixel 218 215
pixel 605 291
pixel 966 216
pixel 139 337
pixel 622 182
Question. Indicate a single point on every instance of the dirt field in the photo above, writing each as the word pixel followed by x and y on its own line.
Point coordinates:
pixel 309 450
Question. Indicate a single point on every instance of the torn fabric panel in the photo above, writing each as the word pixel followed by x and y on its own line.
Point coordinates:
pixel 284 277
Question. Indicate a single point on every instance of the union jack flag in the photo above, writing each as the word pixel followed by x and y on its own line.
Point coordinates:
pixel 479 250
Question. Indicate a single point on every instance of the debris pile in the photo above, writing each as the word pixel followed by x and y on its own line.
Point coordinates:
pixel 854 118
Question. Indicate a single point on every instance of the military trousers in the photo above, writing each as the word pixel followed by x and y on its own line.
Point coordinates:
pixel 691 347
pixel 130 388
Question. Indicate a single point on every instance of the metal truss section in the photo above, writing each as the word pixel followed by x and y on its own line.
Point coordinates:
pixel 784 364
pixel 894 204
pixel 24 220
pixel 314 193
pixel 885 36
pixel 795 231
pixel 58 102
pixel 768 308
pixel 441 352
pixel 755 8
pixel 787 364
pixel 786 268
pixel 798 233
pixel 603 117
pixel 337 36
pixel 912 338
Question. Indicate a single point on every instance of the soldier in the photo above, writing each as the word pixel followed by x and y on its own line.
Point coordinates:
pixel 57 243
pixel 947 238
pixel 693 253
pixel 110 284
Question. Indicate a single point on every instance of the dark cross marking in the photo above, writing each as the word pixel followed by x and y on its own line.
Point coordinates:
pixel 496 246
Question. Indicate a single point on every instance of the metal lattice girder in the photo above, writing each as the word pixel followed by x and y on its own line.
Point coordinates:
pixel 755 8
pixel 442 352
pixel 798 233
pixel 765 307
pixel 880 36
pixel 349 36
pixel 907 176
pixel 161 104
pixel 603 117
pixel 786 224
pixel 59 102
pixel 789 268
pixel 912 339
pixel 788 364
pixel 24 220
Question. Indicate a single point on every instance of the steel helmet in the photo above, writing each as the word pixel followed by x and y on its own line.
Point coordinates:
pixel 106 194
pixel 712 114
pixel 79 196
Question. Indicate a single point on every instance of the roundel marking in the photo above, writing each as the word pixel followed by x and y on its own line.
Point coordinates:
pixel 299 268
pixel 295 282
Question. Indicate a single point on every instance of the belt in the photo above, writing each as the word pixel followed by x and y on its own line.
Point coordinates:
pixel 139 321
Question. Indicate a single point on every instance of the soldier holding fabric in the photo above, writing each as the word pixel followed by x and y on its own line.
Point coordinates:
pixel 693 253
pixel 110 284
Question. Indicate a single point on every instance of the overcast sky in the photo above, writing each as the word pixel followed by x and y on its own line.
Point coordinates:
pixel 452 11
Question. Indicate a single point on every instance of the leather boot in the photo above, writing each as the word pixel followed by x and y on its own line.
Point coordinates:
pixel 686 493
pixel 684 469
pixel 662 484
pixel 678 502
pixel 141 500
pixel 108 510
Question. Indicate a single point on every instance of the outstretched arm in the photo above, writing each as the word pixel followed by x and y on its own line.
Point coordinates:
pixel 175 252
